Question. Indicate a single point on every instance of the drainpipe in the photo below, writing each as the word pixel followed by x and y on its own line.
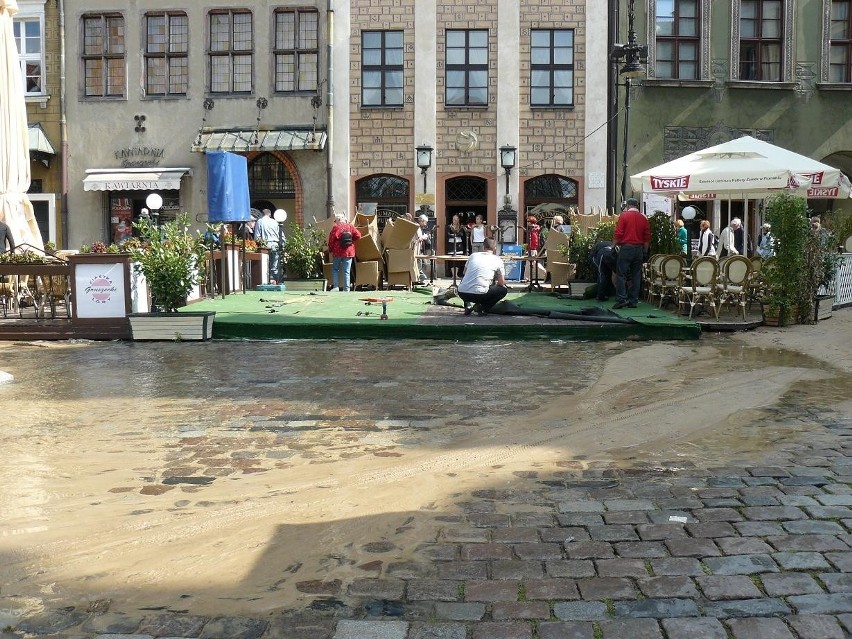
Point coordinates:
pixel 612 82
pixel 63 130
pixel 329 101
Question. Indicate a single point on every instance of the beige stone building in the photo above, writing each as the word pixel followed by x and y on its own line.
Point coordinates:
pixel 37 35
pixel 328 100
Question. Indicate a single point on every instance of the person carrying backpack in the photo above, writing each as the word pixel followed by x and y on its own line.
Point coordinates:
pixel 341 245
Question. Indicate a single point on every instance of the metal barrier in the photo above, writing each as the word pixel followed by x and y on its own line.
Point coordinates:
pixel 843 282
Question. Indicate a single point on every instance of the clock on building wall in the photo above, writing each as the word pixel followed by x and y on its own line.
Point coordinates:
pixel 467 141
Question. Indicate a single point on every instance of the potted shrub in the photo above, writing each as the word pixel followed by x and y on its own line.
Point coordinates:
pixel 663 235
pixel 303 258
pixel 580 249
pixel 172 261
pixel 785 273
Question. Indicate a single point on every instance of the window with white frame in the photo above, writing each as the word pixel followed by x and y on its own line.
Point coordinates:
pixel 29 39
pixel 381 68
pixel 230 51
pixel 296 51
pixel 552 67
pixel 166 53
pixel 103 56
pixel 839 41
pixel 467 68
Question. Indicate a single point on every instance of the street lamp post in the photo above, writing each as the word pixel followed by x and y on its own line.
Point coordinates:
pixel 688 214
pixel 155 203
pixel 280 216
pixel 634 54
pixel 424 161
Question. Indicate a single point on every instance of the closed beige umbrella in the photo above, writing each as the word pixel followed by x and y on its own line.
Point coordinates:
pixel 15 207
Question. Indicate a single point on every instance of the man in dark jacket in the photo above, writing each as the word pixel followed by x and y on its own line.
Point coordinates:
pixel 604 261
pixel 6 238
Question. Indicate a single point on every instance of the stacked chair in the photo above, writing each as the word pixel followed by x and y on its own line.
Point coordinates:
pixel 732 288
pixel 561 271
pixel 398 250
pixel 700 286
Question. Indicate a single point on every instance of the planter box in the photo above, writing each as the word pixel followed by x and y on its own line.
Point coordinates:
pixel 175 327
pixel 823 306
pixel 779 315
pixel 317 284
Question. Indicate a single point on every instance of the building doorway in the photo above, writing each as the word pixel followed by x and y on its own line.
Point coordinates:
pixel 467 197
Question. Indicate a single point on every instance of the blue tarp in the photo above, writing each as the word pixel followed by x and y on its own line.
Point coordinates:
pixel 227 187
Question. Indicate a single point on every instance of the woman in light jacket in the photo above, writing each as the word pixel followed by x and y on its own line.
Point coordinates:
pixel 706 243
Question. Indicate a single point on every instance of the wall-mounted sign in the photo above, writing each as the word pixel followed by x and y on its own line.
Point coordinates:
pixel 140 156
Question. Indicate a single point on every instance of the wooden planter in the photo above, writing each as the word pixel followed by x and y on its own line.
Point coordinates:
pixel 174 327
pixel 779 315
pixel 823 306
pixel 313 284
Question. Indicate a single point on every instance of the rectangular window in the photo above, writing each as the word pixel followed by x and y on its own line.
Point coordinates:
pixel 677 29
pixel 381 68
pixel 840 42
pixel 230 51
pixel 30 43
pixel 296 52
pixel 103 56
pixel 552 67
pixel 166 54
pixel 761 40
pixel 467 68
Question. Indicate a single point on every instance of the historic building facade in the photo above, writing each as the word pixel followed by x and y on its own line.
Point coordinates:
pixel 778 70
pixel 328 101
pixel 37 35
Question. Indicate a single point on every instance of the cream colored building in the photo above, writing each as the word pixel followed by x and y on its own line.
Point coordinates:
pixel 328 100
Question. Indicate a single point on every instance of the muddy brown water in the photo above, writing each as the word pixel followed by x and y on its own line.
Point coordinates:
pixel 247 477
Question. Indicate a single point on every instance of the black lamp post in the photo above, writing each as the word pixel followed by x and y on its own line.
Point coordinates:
pixel 280 216
pixel 634 54
pixel 508 159
pixel 424 161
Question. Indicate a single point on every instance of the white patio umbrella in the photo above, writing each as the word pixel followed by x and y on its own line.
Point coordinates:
pixel 743 168
pixel 15 207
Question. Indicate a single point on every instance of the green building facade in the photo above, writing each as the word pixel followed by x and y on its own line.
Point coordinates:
pixel 778 70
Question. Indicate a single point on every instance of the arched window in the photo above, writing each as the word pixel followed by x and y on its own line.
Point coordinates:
pixel 269 178
pixel 558 191
pixel 386 195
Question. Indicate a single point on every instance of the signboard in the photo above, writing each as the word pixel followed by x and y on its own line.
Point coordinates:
pixel 100 290
pixel 514 269
pixel 120 219
pixel 424 198
pixel 655 202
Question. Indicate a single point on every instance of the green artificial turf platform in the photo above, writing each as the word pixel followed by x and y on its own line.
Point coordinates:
pixel 414 315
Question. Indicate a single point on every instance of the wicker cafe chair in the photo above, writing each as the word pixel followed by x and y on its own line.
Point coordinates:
pixel 8 294
pixel 671 278
pixel 733 285
pixel 701 285
pixel 50 288
pixel 756 285
pixel 652 276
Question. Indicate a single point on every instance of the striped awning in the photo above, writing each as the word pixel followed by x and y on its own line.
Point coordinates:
pixel 244 140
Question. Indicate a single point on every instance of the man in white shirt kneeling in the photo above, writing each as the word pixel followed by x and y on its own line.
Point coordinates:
pixel 484 281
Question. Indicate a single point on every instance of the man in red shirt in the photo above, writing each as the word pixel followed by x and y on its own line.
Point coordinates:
pixel 341 245
pixel 633 238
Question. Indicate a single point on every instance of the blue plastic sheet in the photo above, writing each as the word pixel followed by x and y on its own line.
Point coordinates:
pixel 227 187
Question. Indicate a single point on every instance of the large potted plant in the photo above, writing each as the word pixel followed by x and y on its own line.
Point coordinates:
pixel 579 250
pixel 303 258
pixel 171 259
pixel 785 274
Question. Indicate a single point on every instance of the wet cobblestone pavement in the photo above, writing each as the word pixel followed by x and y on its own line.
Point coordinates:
pixel 636 544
